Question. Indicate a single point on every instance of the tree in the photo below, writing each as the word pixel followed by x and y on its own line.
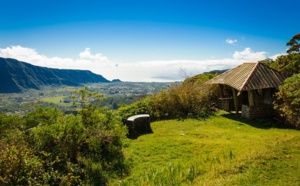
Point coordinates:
pixel 294 44
pixel 9 123
pixel 267 61
pixel 86 97
pixel 287 64
pixel 101 150
pixel 288 97
pixel 289 100
pixel 42 116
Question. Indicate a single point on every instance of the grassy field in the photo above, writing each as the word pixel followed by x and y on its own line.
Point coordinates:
pixel 56 100
pixel 221 150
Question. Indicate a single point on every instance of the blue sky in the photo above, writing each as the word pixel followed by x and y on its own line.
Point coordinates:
pixel 145 40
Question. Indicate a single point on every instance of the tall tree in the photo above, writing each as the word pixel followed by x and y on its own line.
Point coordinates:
pixel 288 100
pixel 294 44
pixel 287 64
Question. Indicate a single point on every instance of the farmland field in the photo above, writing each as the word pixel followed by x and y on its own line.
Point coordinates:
pixel 55 100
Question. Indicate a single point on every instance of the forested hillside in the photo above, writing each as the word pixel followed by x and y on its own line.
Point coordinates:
pixel 16 76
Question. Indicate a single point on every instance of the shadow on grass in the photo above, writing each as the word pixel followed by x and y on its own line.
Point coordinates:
pixel 135 135
pixel 257 123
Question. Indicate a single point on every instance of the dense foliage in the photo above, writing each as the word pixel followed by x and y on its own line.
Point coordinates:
pixel 288 97
pixel 191 98
pixel 289 100
pixel 139 107
pixel 287 64
pixel 49 147
pixel 185 99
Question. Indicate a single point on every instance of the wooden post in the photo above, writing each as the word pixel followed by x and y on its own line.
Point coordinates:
pixel 221 90
pixel 224 102
pixel 235 100
pixel 268 96
pixel 250 98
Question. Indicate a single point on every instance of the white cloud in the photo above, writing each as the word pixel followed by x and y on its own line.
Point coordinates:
pixel 248 55
pixel 31 56
pixel 86 54
pixel 231 41
pixel 21 53
pixel 159 70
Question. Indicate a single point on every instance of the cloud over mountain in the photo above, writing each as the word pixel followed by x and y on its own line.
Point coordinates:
pixel 158 70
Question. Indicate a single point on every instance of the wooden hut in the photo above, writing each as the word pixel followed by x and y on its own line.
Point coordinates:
pixel 249 89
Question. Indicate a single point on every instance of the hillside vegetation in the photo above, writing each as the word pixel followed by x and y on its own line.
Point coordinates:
pixel 16 76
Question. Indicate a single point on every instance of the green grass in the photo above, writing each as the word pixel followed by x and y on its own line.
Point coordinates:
pixel 221 150
pixel 56 100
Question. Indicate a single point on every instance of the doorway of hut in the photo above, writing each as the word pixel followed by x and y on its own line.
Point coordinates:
pixel 250 104
pixel 227 96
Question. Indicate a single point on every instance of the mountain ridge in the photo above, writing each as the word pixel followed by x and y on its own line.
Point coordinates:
pixel 17 76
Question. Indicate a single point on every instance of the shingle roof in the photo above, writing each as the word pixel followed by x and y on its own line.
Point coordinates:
pixel 250 76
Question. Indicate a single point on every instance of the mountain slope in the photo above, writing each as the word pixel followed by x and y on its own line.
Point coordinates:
pixel 16 76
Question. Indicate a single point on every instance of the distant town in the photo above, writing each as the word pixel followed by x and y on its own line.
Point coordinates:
pixel 61 96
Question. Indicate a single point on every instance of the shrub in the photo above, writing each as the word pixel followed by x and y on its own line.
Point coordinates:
pixel 18 164
pixel 140 107
pixel 192 97
pixel 9 124
pixel 42 116
pixel 184 99
pixel 288 102
pixel 75 150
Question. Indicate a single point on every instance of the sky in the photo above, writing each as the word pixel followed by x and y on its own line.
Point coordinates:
pixel 146 40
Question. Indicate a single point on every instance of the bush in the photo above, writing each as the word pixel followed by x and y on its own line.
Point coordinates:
pixel 140 107
pixel 10 123
pixel 58 149
pixel 192 97
pixel 18 164
pixel 76 148
pixel 185 99
pixel 42 116
pixel 288 102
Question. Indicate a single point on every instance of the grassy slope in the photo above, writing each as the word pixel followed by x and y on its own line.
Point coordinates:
pixel 221 150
